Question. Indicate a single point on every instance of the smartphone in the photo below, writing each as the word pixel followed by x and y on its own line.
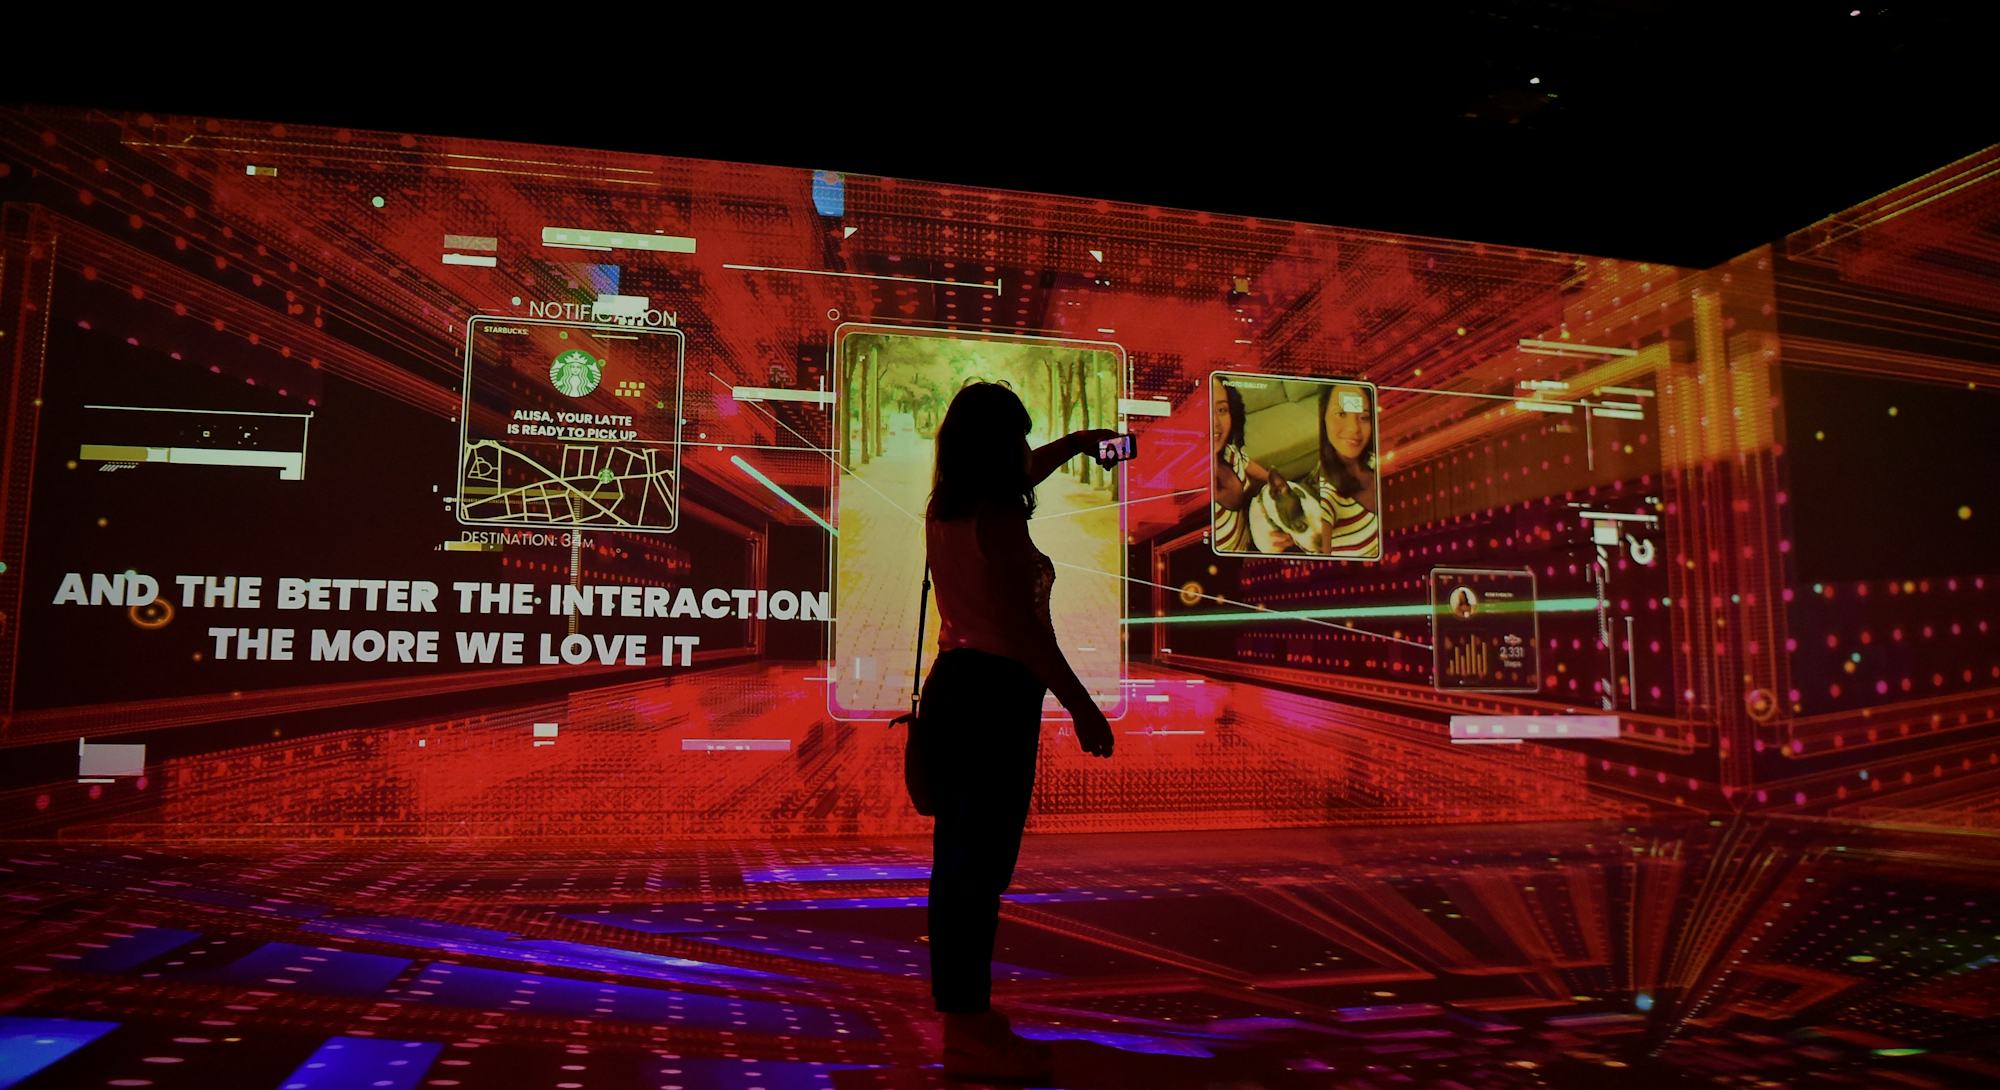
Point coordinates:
pixel 1120 449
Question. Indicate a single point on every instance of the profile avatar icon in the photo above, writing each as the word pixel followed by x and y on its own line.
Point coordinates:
pixel 576 372
pixel 1463 602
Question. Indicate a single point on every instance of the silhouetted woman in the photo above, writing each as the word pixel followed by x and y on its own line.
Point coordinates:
pixel 982 705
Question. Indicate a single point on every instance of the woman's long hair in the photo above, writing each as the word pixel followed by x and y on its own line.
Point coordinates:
pixel 1234 397
pixel 1345 480
pixel 977 458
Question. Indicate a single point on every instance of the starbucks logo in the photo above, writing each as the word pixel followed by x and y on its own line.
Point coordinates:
pixel 576 372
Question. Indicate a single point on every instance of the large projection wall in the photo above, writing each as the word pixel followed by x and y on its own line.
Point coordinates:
pixel 497 490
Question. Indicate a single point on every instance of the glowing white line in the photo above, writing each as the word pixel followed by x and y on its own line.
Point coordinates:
pixel 1566 346
pixel 219 412
pixel 995 286
pixel 759 446
pixel 1615 516
pixel 1448 393
pixel 1245 605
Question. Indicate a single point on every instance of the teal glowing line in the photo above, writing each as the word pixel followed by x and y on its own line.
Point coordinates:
pixel 782 494
pixel 1549 605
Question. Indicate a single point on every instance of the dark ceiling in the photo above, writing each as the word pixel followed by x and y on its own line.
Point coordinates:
pixel 1678 132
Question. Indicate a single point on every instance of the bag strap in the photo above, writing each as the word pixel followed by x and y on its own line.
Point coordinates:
pixel 923 615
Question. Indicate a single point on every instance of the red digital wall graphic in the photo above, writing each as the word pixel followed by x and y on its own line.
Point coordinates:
pixel 452 594
pixel 367 485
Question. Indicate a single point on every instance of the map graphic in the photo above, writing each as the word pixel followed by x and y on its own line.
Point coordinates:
pixel 594 484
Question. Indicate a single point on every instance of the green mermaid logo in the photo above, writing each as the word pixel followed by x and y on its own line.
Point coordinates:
pixel 576 372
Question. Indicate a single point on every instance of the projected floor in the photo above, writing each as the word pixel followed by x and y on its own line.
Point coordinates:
pixel 1777 954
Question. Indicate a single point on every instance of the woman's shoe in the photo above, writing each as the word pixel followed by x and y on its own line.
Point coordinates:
pixel 984 1046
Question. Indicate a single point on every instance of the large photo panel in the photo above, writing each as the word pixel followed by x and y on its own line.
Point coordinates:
pixel 893 386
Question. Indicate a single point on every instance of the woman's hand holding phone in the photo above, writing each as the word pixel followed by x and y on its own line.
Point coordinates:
pixel 1090 439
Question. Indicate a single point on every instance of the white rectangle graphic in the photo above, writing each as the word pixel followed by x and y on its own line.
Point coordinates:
pixel 1139 406
pixel 620 306
pixel 110 760
pixel 1535 727
pixel 616 240
pixel 713 745
pixel 779 393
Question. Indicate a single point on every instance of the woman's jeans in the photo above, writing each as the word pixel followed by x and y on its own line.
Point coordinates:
pixel 981 721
